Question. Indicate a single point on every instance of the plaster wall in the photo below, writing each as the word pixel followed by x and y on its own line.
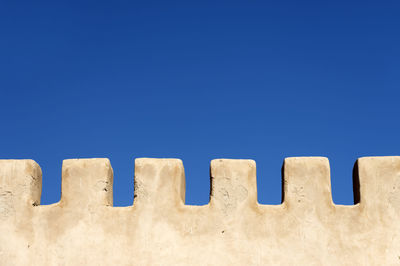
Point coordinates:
pixel 233 229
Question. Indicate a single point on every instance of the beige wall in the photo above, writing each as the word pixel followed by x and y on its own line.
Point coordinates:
pixel 233 229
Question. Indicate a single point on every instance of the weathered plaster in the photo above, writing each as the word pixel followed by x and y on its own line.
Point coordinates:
pixel 233 229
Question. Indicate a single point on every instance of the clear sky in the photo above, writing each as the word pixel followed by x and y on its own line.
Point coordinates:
pixel 199 80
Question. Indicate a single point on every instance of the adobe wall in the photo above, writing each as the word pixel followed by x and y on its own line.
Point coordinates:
pixel 233 229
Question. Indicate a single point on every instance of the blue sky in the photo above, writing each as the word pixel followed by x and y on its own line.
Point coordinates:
pixel 199 80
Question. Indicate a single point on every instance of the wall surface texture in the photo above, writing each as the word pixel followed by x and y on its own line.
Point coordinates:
pixel 233 229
